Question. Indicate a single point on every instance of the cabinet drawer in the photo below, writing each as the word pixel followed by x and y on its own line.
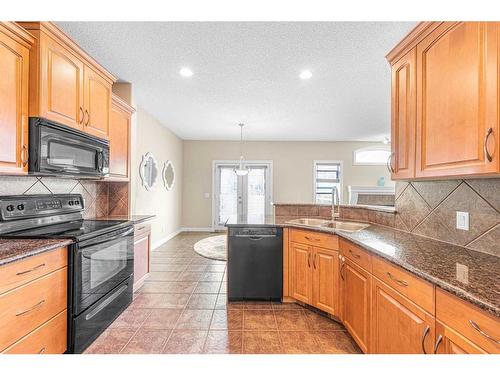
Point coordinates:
pixel 18 273
pixel 142 229
pixel 327 241
pixel 415 289
pixel 50 338
pixel 29 306
pixel 468 320
pixel 356 254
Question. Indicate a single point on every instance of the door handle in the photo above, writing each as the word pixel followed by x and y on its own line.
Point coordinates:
pixel 314 261
pixel 88 117
pixel 82 116
pixel 341 268
pixel 438 342
pixel 389 163
pixel 309 260
pixel 487 154
pixel 24 155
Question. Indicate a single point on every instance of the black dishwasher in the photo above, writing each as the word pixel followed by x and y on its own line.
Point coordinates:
pixel 255 263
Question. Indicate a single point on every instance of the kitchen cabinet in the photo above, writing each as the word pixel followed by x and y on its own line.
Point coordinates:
pixel 119 139
pixel 399 325
pixel 445 93
pixel 356 302
pixel 464 326
pixel 66 85
pixel 15 44
pixel 301 272
pixel 314 270
pixel 449 341
pixel 142 253
pixel 402 159
pixel 33 304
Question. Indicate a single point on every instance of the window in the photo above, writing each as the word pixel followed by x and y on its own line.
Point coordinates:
pixel 327 174
pixel 375 155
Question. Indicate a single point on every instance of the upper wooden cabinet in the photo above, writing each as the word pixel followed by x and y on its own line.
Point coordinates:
pixel 14 70
pixel 66 84
pixel 119 138
pixel 457 100
pixel 402 162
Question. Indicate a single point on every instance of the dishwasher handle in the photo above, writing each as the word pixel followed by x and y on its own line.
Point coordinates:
pixel 255 238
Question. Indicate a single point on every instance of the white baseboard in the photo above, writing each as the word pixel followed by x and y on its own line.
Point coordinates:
pixel 160 242
pixel 196 229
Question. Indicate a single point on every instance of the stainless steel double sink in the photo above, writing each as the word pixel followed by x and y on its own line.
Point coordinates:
pixel 347 226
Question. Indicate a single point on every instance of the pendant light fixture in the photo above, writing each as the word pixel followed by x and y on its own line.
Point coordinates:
pixel 241 169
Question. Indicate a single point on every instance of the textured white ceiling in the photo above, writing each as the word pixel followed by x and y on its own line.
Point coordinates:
pixel 248 72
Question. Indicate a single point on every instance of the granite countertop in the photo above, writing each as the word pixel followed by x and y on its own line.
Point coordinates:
pixel 134 219
pixel 12 250
pixel 435 261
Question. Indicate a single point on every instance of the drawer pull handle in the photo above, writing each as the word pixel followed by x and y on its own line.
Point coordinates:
pixel 354 254
pixel 311 238
pixel 31 270
pixel 41 351
pixel 397 281
pixel 477 328
pixel 141 228
pixel 438 342
pixel 39 304
pixel 426 332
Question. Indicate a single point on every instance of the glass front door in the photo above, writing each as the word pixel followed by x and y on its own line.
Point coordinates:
pixel 241 196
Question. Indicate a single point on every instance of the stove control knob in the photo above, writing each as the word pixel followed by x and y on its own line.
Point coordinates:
pixel 77 203
pixel 70 203
pixel 20 207
pixel 10 208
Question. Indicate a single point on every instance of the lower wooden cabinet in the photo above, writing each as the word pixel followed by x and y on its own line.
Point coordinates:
pixel 142 253
pixel 314 273
pixel 325 280
pixel 398 325
pixel 356 302
pixel 448 341
pixel 301 272
pixel 49 338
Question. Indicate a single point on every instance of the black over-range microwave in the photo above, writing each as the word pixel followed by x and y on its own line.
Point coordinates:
pixel 59 150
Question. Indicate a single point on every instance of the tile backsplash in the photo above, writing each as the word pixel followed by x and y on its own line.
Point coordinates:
pixel 428 208
pixel 101 198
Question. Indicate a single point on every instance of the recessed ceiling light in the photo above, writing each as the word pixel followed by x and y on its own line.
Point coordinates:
pixel 186 72
pixel 305 74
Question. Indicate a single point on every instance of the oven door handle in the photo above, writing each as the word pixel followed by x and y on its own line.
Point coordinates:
pixel 106 302
pixel 88 243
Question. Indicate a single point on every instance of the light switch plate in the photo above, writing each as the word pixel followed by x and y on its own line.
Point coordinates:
pixel 462 273
pixel 462 220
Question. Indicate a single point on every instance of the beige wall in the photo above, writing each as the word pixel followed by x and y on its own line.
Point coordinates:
pixel 148 135
pixel 292 171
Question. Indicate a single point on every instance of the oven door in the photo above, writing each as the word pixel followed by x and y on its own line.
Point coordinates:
pixel 58 150
pixel 100 264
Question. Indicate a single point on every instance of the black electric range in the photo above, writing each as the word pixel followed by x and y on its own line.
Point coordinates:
pixel 101 258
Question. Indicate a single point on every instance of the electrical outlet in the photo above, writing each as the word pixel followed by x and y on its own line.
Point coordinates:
pixel 462 273
pixel 462 220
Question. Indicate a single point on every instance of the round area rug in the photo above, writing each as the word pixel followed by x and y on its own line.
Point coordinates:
pixel 213 247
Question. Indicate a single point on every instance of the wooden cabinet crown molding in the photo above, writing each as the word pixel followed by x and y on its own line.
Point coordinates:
pixel 122 104
pixel 17 33
pixel 58 34
pixel 409 42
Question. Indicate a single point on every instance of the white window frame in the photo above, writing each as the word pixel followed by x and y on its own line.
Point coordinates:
pixel 341 179
pixel 371 148
pixel 269 199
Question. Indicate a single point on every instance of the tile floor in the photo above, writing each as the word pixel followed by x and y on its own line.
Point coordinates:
pixel 182 309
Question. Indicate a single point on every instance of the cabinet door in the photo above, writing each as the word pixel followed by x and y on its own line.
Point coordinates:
pixel 399 326
pixel 325 280
pixel 402 162
pixel 449 341
pixel 14 67
pixel 301 273
pixel 457 100
pixel 61 84
pixel 97 104
pixel 119 133
pixel 356 302
pixel 141 258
